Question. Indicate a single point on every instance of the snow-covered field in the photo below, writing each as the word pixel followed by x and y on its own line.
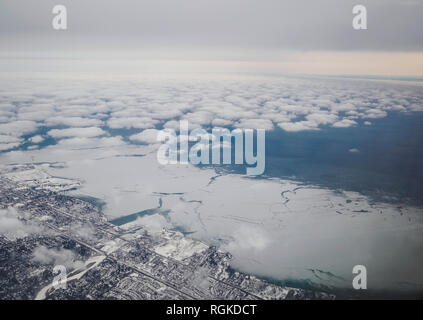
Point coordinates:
pixel 274 228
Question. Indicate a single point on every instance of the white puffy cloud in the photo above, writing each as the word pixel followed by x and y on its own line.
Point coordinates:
pixel 131 122
pixel 77 132
pixel 172 124
pixel 12 226
pixel 322 118
pixel 247 238
pixel 344 123
pixel 375 113
pixel 18 128
pixel 199 118
pixel 9 222
pixel 86 142
pixel 222 122
pixel 153 223
pixel 73 121
pixel 298 126
pixel 53 256
pixel 4 138
pixel 7 146
pixel 148 136
pixel 255 124
pixel 36 139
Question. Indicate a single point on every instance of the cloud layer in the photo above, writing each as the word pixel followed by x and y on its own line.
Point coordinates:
pixel 76 114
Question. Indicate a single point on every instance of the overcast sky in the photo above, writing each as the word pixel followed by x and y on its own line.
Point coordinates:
pixel 212 29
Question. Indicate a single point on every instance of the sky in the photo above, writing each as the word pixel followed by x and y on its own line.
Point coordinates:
pixel 237 35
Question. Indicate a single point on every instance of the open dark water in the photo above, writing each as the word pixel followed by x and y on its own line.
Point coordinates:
pixel 388 165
